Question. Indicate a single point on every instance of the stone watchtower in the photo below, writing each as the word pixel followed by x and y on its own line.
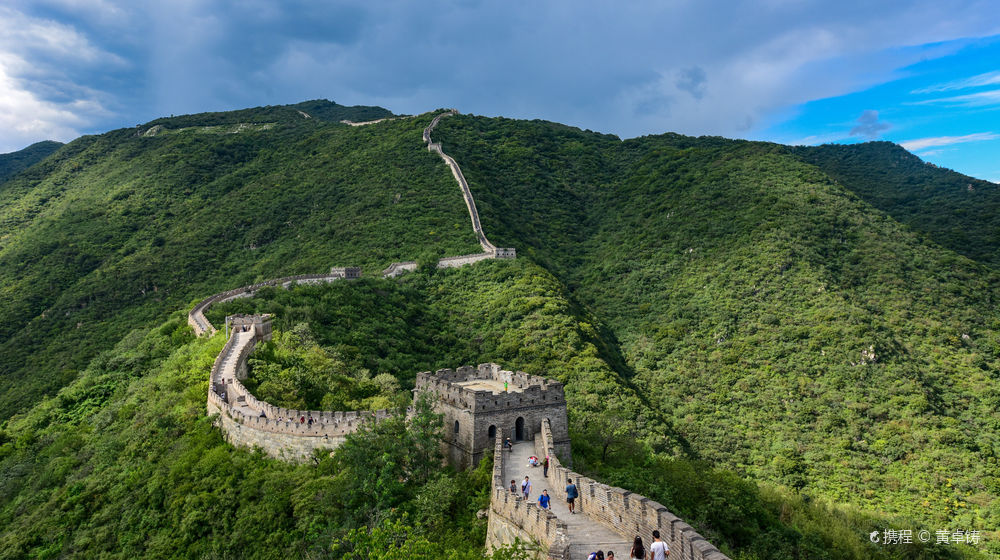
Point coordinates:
pixel 480 403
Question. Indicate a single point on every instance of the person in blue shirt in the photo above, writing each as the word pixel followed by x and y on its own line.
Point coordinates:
pixel 571 494
pixel 543 500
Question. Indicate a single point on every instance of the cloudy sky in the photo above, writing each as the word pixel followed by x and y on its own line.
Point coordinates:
pixel 925 74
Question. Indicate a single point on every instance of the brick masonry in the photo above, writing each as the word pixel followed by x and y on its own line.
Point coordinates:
pixel 625 512
pixel 475 416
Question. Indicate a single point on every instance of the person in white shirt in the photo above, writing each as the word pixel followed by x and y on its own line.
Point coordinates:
pixel 659 549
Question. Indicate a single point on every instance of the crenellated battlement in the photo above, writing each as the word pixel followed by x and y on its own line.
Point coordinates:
pixel 481 402
pixel 249 421
pixel 489 388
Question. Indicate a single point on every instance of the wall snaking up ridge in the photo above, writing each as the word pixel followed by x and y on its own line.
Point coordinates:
pixel 296 434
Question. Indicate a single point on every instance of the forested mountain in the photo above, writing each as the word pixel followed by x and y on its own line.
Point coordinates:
pixel 789 330
pixel 14 162
pixel 119 228
pixel 953 210
pixel 764 339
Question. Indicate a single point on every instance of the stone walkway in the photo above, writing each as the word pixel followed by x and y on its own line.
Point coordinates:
pixel 228 372
pixel 585 534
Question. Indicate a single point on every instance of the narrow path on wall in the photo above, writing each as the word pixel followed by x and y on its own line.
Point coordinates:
pixel 585 534
pixel 228 373
pixel 456 171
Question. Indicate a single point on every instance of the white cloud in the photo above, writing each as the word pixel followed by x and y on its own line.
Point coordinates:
pixel 987 79
pixel 979 99
pixel 38 101
pixel 922 143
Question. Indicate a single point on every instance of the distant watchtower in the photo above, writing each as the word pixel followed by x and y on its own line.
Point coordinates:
pixel 477 406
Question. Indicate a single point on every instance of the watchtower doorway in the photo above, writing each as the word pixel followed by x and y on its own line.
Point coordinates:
pixel 519 429
pixel 492 433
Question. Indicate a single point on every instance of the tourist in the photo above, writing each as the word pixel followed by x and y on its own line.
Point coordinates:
pixel 609 555
pixel 543 500
pixel 596 555
pixel 310 422
pixel 638 551
pixel 545 467
pixel 571 494
pixel 532 461
pixel 508 445
pixel 513 487
pixel 526 487
pixel 659 549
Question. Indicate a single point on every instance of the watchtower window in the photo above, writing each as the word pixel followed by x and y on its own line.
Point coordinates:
pixel 456 426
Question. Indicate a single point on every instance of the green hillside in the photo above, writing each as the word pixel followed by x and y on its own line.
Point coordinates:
pixel 117 229
pixel 123 463
pixel 14 162
pixel 743 334
pixel 953 210
pixel 745 290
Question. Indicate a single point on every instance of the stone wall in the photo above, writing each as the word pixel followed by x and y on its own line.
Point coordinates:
pixel 622 511
pixel 397 268
pixel 512 518
pixel 201 325
pixel 456 171
pixel 281 432
pixel 462 260
pixel 474 417
pixel 276 444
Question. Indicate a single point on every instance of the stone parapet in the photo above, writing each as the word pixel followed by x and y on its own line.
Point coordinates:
pixel 622 511
pixel 397 268
pixel 201 325
pixel 511 517
pixel 249 421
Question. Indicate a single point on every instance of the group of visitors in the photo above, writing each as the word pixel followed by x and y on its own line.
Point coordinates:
pixel 534 462
pixel 656 551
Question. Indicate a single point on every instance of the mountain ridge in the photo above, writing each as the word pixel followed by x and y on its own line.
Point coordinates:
pixel 762 316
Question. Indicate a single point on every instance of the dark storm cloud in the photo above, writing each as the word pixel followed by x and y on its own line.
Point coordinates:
pixel 624 68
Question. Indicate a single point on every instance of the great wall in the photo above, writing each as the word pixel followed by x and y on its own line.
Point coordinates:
pixel 482 406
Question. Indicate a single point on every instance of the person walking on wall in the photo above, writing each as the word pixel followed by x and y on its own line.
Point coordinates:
pixel 543 500
pixel 526 487
pixel 638 551
pixel 513 487
pixel 545 467
pixel 571 494
pixel 659 549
